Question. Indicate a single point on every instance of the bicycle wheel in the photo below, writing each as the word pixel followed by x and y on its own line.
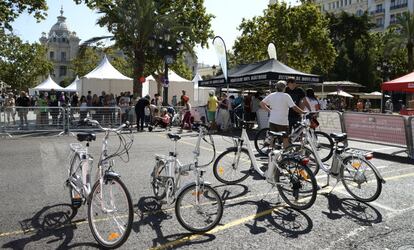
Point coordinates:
pixel 360 179
pixel 324 145
pixel 296 183
pixel 158 183
pixel 199 208
pixel 75 174
pixel 262 142
pixel 225 169
pixel 110 213
pixel 306 152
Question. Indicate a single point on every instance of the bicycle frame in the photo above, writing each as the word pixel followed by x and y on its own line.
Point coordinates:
pixel 245 139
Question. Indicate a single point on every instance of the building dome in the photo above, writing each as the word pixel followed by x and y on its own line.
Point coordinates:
pixel 59 29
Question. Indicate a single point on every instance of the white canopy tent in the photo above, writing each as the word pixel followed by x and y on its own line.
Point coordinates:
pixel 176 85
pixel 104 78
pixel 46 85
pixel 340 93
pixel 200 93
pixel 73 87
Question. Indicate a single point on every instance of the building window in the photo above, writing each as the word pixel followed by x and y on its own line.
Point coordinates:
pixel 359 13
pixel 51 55
pixel 63 56
pixel 62 71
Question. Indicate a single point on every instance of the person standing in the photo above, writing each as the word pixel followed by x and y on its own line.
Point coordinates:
pixel 368 106
pixel 187 113
pixel 279 105
pixel 89 98
pixel 223 113
pixel 312 101
pixel 183 97
pixel 212 104
pixel 23 103
pixel 389 107
pixel 298 96
pixel 140 106
pixel 9 107
pixel 53 104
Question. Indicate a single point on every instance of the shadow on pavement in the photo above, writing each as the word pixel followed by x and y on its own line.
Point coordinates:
pixel 150 212
pixel 230 192
pixel 360 212
pixel 54 222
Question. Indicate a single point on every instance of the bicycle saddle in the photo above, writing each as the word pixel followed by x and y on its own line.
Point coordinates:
pixel 86 137
pixel 338 137
pixel 174 137
pixel 277 134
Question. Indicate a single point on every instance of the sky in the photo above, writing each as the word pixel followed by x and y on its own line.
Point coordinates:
pixel 228 16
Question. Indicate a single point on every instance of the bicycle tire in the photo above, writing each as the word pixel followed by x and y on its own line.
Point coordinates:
pixel 260 143
pixel 157 183
pixel 346 169
pixel 120 235
pixel 299 176
pixel 308 153
pixel 324 142
pixel 219 166
pixel 77 171
pixel 212 198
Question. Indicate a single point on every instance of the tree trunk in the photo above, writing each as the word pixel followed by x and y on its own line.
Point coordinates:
pixel 410 57
pixel 139 59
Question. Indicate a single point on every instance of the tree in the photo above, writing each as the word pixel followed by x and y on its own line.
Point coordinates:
pixel 11 9
pixel 357 52
pixel 133 23
pixel 300 34
pixel 21 64
pixel 401 35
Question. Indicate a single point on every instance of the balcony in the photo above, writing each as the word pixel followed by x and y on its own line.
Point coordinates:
pixel 377 12
pixel 398 6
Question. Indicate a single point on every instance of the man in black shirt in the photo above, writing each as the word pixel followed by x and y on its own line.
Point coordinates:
pixel 140 111
pixel 298 96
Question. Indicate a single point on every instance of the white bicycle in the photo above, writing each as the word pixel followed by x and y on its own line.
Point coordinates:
pixel 198 206
pixel 288 172
pixel 110 212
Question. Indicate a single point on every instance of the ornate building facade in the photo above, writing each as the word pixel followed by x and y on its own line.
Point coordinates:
pixel 62 46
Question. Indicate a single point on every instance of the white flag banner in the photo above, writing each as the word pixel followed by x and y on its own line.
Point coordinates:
pixel 271 50
pixel 220 48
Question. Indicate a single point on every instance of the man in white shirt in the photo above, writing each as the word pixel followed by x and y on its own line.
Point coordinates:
pixel 278 104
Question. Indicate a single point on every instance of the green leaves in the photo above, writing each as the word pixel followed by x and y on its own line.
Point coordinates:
pixel 300 35
pixel 21 63
pixel 11 9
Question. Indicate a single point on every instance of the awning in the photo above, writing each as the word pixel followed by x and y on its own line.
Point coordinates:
pixel 340 93
pixel 402 84
pixel 258 74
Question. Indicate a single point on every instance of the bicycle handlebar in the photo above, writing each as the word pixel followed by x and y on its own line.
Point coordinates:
pixel 116 130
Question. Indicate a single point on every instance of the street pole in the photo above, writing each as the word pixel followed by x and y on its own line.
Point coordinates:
pixel 165 84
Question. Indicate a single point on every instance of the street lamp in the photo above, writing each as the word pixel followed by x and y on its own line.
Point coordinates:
pixel 168 50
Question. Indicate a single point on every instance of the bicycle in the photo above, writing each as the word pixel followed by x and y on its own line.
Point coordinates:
pixel 263 142
pixel 202 202
pixel 110 212
pixel 288 172
pixel 352 167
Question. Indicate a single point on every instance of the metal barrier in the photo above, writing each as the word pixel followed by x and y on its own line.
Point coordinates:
pixel 410 134
pixel 330 121
pixel 33 119
pixel 106 116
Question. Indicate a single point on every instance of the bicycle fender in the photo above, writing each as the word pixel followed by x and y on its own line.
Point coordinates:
pixel 189 184
pixel 375 170
pixel 109 175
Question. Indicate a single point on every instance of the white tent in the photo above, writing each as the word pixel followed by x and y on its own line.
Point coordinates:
pixel 73 87
pixel 176 85
pixel 46 85
pixel 104 78
pixel 340 93
pixel 200 93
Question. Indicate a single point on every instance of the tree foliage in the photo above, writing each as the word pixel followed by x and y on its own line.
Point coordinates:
pixel 401 36
pixel 357 51
pixel 133 23
pixel 21 64
pixel 300 34
pixel 11 9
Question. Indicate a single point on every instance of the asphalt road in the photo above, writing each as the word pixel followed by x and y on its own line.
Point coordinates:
pixel 35 211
